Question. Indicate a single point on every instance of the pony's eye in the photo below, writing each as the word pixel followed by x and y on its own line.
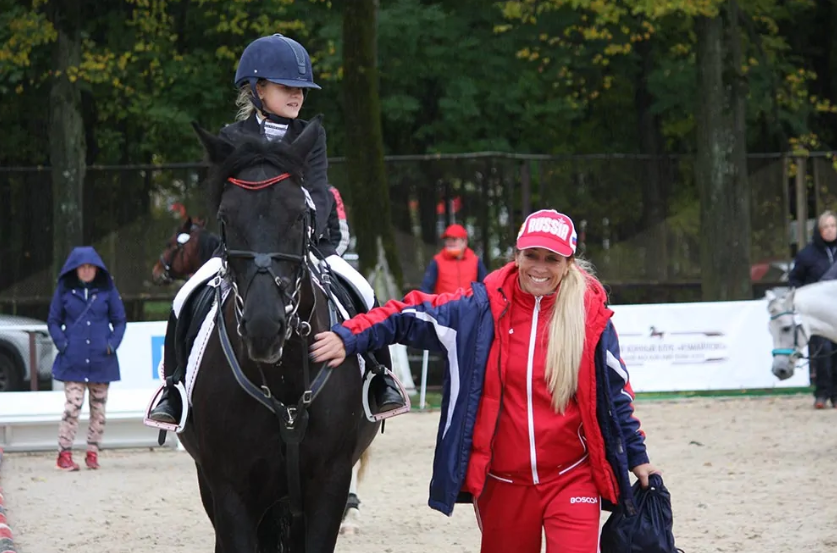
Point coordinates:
pixel 787 328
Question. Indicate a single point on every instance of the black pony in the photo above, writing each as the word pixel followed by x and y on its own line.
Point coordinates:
pixel 274 440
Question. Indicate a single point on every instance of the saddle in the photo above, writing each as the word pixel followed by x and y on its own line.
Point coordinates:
pixel 197 306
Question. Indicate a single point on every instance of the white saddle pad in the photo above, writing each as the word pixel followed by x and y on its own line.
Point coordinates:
pixel 202 340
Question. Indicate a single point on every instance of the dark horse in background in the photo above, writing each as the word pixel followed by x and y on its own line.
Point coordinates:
pixel 186 250
pixel 273 440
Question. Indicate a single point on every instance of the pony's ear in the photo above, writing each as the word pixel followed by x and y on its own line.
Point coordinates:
pixel 217 149
pixel 769 295
pixel 305 141
pixel 789 296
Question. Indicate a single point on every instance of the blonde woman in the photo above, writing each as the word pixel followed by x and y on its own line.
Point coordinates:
pixel 537 425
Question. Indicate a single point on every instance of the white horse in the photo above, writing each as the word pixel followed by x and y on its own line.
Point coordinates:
pixel 795 316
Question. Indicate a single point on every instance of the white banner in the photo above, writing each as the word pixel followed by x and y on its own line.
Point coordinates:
pixel 699 346
pixel 139 355
pixel 667 348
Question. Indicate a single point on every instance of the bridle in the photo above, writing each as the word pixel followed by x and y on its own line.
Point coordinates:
pixel 293 419
pixel 795 352
pixel 264 264
pixel 178 250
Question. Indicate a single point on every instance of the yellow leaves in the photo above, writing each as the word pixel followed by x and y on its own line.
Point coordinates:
pixel 595 33
pixel 25 33
pixel 681 49
pixel 123 60
pixel 617 49
pixel 226 53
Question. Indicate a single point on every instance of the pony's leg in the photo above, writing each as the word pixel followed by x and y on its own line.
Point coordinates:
pixel 235 529
pixel 351 515
pixel 324 503
pixel 206 495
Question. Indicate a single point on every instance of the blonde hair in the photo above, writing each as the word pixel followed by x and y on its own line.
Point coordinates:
pixel 567 334
pixel 244 102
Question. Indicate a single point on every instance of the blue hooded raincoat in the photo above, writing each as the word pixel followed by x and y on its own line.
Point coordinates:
pixel 86 322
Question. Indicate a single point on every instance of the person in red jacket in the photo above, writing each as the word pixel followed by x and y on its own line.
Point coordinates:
pixel 455 267
pixel 537 424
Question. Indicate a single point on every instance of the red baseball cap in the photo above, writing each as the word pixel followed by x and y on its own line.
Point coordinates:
pixel 550 230
pixel 455 231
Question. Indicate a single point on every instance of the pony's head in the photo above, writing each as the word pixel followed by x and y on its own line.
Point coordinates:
pixel 266 221
pixel 788 338
pixel 186 250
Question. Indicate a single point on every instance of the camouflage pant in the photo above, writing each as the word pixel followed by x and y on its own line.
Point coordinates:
pixel 74 392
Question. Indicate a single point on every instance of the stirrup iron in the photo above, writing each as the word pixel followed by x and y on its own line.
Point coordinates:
pixel 367 381
pixel 177 428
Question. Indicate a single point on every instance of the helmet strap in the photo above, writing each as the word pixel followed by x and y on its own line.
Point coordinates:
pixel 257 103
pixel 254 94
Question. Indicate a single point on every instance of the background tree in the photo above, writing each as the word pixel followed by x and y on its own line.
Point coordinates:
pixel 364 142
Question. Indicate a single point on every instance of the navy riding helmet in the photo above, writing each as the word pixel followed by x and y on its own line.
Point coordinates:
pixel 277 59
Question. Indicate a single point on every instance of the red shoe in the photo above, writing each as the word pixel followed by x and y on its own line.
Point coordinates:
pixel 92 460
pixel 65 462
pixel 820 403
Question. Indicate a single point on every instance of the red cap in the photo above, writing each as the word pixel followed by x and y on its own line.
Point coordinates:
pixel 455 231
pixel 550 230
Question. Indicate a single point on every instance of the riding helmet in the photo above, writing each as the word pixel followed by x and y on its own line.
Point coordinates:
pixel 278 59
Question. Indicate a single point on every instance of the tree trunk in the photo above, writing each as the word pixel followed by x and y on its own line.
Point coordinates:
pixel 656 183
pixel 67 144
pixel 720 169
pixel 364 140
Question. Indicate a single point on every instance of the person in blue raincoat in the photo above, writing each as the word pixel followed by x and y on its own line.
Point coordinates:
pixel 87 323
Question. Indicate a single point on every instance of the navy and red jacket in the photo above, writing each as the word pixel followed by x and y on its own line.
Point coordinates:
pixel 465 327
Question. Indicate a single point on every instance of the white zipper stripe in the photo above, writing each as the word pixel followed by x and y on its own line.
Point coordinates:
pixel 501 479
pixel 571 467
pixel 530 367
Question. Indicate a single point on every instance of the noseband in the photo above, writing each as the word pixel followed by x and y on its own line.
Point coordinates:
pixel 264 263
pixel 795 352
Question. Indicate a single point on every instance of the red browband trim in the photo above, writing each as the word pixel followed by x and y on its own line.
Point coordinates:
pixel 250 185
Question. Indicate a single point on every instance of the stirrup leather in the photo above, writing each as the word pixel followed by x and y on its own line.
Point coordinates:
pixel 184 412
pixel 367 381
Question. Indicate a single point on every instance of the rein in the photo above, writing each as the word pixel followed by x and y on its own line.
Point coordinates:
pixel 293 419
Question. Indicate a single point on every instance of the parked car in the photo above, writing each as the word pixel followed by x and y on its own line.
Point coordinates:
pixel 14 353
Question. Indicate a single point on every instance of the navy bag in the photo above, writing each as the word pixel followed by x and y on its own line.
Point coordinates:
pixel 650 530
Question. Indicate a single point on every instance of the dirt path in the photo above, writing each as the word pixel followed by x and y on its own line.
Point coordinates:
pixel 745 475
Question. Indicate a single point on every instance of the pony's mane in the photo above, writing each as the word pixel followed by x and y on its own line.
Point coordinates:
pixel 252 150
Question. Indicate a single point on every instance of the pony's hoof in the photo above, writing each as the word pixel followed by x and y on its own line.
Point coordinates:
pixel 351 523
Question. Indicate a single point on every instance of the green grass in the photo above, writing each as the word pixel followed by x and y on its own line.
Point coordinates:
pixel 156 310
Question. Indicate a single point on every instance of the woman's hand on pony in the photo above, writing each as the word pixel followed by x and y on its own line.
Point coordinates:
pixel 328 346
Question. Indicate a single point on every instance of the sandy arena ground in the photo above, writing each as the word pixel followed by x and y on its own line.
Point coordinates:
pixel 746 475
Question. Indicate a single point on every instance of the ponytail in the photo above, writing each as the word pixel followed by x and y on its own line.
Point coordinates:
pixel 567 331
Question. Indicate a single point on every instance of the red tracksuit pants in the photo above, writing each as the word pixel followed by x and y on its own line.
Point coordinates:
pixel 512 516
